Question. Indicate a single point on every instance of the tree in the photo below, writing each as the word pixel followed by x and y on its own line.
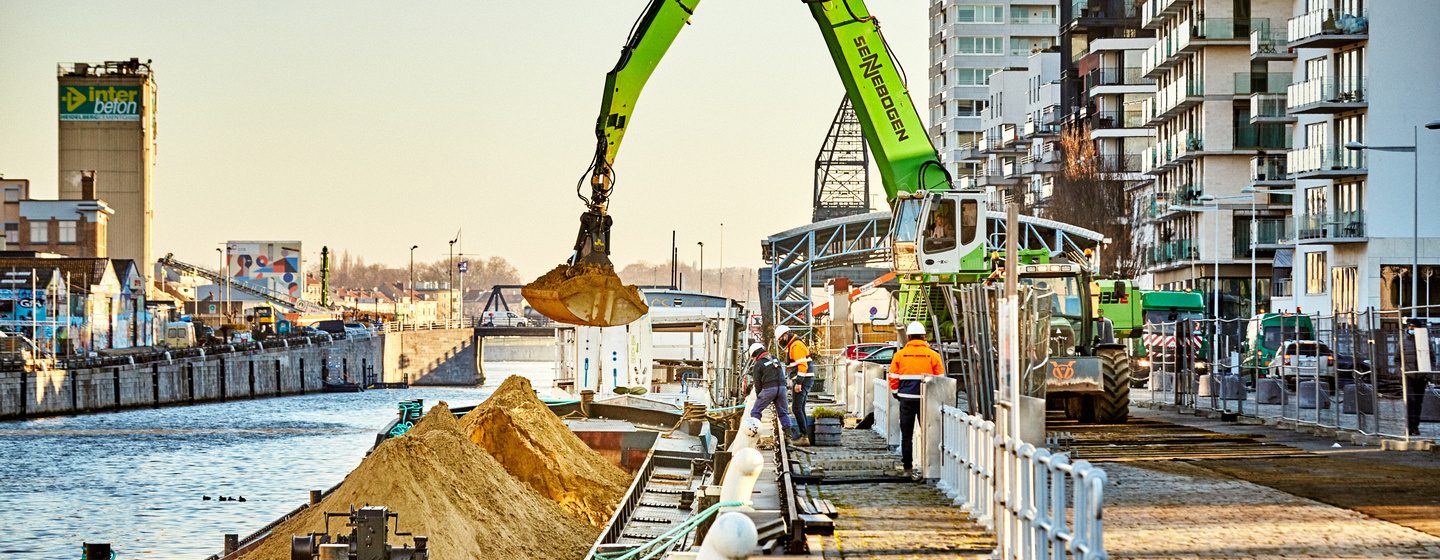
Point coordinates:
pixel 1089 194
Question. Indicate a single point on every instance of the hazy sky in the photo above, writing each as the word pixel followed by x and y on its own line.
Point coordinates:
pixel 371 126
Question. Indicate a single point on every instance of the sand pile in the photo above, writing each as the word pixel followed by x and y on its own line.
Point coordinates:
pixel 451 490
pixel 536 447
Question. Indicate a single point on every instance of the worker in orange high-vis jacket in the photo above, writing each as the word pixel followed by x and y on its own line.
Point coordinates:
pixel 911 367
pixel 797 357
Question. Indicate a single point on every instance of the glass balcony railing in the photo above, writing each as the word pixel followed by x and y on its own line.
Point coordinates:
pixel 1268 41
pixel 1268 231
pixel 1118 163
pixel 1335 225
pixel 1261 82
pixel 1116 119
pixel 1267 168
pixel 1104 9
pixel 1322 158
pixel 1130 75
pixel 1327 22
pixel 1268 106
pixel 1261 137
pixel 1225 28
pixel 1032 19
pixel 1316 91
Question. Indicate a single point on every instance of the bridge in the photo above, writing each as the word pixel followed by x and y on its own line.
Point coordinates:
pixel 803 256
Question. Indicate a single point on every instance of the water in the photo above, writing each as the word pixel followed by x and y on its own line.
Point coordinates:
pixel 136 478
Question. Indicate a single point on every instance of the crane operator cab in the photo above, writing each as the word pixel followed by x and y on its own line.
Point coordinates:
pixel 940 233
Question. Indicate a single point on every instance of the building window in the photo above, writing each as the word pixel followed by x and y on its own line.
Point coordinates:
pixel 67 231
pixel 1315 272
pixel 986 13
pixel 12 194
pixel 39 232
pixel 969 107
pixel 1023 46
pixel 973 76
pixel 980 45
pixel 12 233
pixel 1346 292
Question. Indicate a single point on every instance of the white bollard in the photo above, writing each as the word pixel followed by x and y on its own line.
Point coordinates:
pixel 748 435
pixel 741 476
pixel 732 537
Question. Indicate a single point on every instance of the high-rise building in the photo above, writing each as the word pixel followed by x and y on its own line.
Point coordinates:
pixel 1210 149
pixel 1365 74
pixel 107 126
pixel 969 41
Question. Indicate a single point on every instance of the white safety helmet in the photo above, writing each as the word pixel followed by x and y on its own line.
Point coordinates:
pixel 781 330
pixel 914 328
pixel 756 349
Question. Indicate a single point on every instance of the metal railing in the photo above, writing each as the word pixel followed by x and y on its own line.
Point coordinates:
pixel 1267 168
pixel 1117 119
pixel 1039 504
pixel 1323 157
pixel 1261 136
pixel 1358 373
pixel 1315 91
pixel 1268 40
pixel 1333 225
pixel 1327 22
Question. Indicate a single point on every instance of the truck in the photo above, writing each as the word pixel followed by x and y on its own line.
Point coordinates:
pixel 1264 335
pixel 939 235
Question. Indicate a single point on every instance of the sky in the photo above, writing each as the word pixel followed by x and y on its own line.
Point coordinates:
pixel 372 126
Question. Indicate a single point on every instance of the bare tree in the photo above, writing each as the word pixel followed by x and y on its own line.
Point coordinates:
pixel 1089 193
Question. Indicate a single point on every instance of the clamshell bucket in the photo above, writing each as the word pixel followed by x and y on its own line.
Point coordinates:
pixel 589 294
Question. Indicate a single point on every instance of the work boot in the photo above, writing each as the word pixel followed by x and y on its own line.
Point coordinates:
pixel 916 475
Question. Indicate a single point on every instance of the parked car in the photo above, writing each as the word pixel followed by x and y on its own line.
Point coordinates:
pixel 881 355
pixel 857 351
pixel 335 327
pixel 503 319
pixel 1298 360
pixel 356 330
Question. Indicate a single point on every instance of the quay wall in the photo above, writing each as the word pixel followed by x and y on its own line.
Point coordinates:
pixel 265 372
pixel 432 357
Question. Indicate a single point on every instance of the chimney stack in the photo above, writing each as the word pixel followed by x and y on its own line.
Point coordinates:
pixel 87 185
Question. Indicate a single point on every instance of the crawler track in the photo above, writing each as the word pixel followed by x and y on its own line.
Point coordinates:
pixel 1143 439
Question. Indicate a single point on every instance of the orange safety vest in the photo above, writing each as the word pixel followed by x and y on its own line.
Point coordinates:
pixel 910 366
pixel 799 357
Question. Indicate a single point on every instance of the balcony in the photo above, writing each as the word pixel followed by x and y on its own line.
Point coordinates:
pixel 1128 76
pixel 1153 13
pixel 1187 194
pixel 1270 44
pixel 1118 163
pixel 970 151
pixel 1271 234
pixel 1326 95
pixel 1175 98
pixel 1269 108
pixel 1324 161
pixel 1327 29
pixel 1336 227
pixel 1027 19
pixel 1247 83
pixel 1116 119
pixel 1269 171
pixel 1032 164
pixel 1161 56
pixel 1174 251
pixel 1103 13
pixel 996 175
pixel 1033 129
pixel 1218 31
pixel 1261 137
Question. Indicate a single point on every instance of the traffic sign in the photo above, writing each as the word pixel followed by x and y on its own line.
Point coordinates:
pixel 464 266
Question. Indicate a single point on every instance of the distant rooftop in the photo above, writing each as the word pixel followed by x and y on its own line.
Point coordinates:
pixel 132 67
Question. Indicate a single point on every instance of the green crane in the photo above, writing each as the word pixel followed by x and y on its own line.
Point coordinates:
pixel 586 291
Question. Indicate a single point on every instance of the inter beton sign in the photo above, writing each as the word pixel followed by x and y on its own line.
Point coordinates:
pixel 99 103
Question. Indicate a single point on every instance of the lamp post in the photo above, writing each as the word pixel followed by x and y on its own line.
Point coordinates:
pixel 1413 150
pixel 1212 204
pixel 410 294
pixel 702 265
pixel 722 258
pixel 450 282
pixel 1255 240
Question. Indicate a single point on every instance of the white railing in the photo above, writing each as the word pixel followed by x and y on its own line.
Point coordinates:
pixel 1039 504
pixel 880 404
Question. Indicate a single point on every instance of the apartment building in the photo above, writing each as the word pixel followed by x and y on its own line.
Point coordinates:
pixel 1207 174
pixel 970 40
pixel 1365 75
pixel 1016 152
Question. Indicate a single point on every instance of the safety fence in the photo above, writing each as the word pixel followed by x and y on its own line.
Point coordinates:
pixel 1369 373
pixel 1038 503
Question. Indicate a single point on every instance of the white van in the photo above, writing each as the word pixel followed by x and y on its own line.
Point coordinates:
pixel 503 319
pixel 180 334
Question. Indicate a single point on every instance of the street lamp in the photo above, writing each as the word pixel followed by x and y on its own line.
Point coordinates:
pixel 1255 240
pixel 410 294
pixel 702 265
pixel 1412 149
pixel 450 282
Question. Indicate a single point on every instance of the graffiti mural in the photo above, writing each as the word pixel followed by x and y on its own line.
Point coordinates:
pixel 275 265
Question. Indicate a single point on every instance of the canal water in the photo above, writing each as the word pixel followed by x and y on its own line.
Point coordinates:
pixel 138 478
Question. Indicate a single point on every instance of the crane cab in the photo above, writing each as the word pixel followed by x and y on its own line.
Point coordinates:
pixel 939 233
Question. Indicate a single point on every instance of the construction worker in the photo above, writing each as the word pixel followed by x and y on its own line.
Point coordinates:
pixel 911 367
pixel 801 379
pixel 767 379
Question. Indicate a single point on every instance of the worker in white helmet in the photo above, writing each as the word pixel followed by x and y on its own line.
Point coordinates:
pixel 767 379
pixel 797 358
pixel 911 367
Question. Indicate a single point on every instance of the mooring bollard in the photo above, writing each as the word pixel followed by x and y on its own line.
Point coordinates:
pixel 741 476
pixel 733 536
pixel 315 496
pixel 232 542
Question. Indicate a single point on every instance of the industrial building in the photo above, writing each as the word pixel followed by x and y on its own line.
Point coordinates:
pixel 107 128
